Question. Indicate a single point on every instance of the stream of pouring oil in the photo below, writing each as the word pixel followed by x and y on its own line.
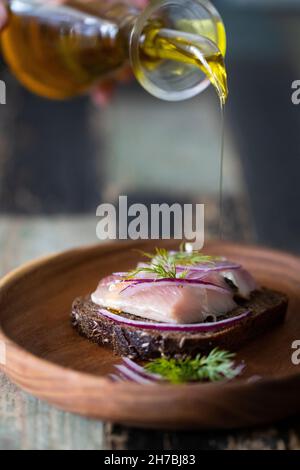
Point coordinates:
pixel 191 49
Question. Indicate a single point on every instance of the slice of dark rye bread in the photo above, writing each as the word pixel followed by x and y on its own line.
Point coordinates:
pixel 268 308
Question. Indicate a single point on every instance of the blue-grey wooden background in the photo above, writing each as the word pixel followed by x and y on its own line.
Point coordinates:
pixel 58 161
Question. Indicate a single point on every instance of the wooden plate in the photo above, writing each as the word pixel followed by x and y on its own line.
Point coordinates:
pixel 47 358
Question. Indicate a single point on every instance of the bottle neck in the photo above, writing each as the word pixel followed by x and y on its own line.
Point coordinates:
pixel 177 48
pixel 122 15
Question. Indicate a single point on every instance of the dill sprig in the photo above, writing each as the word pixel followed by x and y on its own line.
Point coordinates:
pixel 163 262
pixel 183 257
pixel 217 365
pixel 160 271
pixel 180 257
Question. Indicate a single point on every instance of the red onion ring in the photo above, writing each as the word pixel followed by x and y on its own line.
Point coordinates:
pixel 135 373
pixel 192 327
pixel 115 378
pixel 140 370
pixel 206 269
pixel 133 376
pixel 135 283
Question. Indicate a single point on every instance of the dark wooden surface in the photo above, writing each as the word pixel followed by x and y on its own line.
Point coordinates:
pixel 284 436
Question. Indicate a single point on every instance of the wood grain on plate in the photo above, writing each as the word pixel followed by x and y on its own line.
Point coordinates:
pixel 46 357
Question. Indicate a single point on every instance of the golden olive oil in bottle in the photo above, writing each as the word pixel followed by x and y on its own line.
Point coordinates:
pixel 183 48
pixel 60 51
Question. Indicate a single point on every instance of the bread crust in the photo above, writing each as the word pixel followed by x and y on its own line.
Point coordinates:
pixel 268 309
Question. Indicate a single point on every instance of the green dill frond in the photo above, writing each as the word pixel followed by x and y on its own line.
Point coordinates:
pixel 217 365
pixel 160 270
pixel 161 265
pixel 194 257
pixel 163 262
pixel 179 257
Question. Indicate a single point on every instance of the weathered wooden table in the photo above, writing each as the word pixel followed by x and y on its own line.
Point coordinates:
pixel 28 423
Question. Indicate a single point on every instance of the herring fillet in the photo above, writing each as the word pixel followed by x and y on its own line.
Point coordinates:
pixel 171 303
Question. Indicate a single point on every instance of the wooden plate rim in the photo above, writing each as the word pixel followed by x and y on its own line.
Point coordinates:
pixel 13 275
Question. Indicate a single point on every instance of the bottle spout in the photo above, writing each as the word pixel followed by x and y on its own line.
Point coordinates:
pixel 177 49
pixel 184 53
